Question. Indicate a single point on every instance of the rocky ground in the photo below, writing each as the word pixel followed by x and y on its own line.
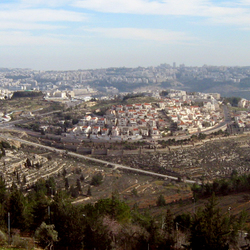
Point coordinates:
pixel 208 161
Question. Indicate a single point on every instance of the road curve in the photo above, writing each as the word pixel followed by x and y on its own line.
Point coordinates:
pixel 96 160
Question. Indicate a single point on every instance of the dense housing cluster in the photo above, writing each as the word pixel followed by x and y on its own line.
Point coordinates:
pixel 154 120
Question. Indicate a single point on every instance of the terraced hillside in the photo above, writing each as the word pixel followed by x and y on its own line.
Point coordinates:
pixel 207 161
pixel 25 165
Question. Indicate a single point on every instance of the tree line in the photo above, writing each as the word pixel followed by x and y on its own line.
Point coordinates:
pixel 110 223
pixel 20 94
pixel 235 184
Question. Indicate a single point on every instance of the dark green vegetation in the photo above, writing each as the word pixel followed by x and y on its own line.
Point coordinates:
pixel 161 201
pixel 232 100
pixel 210 229
pixel 111 224
pixel 17 77
pixel 96 179
pixel 103 105
pixel 192 139
pixel 237 183
pixel 19 94
pixel 3 145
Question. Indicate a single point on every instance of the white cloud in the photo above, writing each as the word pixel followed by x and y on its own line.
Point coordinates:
pixel 17 38
pixel 225 13
pixel 20 17
pixel 16 20
pixel 158 35
pixel 245 2
pixel 8 25
pixel 230 16
pixel 232 13
pixel 241 20
pixel 165 7
pixel 52 3
pixel 42 15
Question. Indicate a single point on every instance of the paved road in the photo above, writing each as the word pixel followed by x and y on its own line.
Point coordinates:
pixel 95 160
pixel 227 120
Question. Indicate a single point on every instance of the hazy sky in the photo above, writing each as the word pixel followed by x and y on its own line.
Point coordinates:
pixel 82 34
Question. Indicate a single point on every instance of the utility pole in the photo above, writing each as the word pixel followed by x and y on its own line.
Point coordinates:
pixel 163 222
pixel 176 226
pixel 194 205
pixel 9 228
pixel 49 213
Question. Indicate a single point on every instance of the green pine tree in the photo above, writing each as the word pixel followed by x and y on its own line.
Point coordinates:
pixel 211 229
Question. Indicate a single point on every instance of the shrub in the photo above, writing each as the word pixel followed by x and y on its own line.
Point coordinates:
pixel 18 242
pixel 3 238
pixel 5 144
pixel 46 235
pixel 97 179
pixel 161 201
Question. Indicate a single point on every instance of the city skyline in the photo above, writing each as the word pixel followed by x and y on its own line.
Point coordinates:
pixel 84 34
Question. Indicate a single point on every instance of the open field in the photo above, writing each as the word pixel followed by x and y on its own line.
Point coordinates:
pixel 24 104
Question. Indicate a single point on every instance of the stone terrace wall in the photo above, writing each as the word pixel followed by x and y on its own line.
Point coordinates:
pixel 82 150
pixel 131 152
pixel 110 152
pixel 71 147
pixel 99 151
pixel 70 140
pixel 114 152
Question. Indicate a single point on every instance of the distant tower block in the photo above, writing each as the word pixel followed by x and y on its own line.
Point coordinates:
pixel 81 78
pixel 174 64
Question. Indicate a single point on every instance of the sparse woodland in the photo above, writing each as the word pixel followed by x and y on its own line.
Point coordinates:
pixel 111 224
